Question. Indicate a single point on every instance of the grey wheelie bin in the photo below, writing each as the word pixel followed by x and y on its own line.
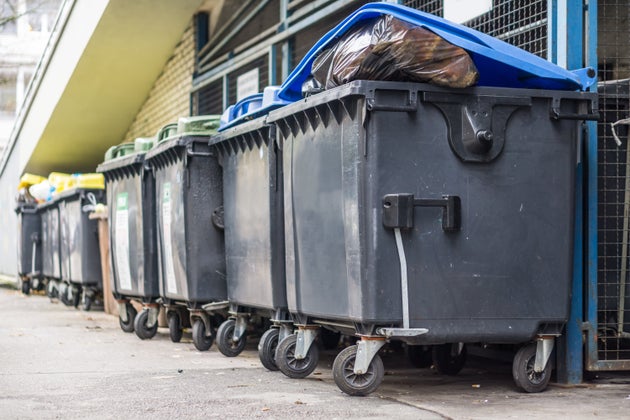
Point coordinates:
pixel 51 256
pixel 29 246
pixel 254 236
pixel 428 215
pixel 191 257
pixel 130 190
pixel 79 249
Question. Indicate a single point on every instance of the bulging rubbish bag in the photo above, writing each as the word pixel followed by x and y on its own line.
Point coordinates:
pixel 387 48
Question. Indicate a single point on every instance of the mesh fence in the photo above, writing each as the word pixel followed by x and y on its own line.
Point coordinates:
pixel 613 304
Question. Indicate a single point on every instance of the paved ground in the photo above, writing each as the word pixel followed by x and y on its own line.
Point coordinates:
pixel 58 362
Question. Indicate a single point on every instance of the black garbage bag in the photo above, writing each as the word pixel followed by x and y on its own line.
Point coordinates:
pixel 387 48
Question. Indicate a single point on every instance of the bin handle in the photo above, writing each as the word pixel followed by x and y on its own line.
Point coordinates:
pixel 591 115
pixel 398 210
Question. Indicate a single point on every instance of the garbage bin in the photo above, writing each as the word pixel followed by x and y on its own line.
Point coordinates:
pixel 428 215
pixel 51 247
pixel 254 236
pixel 79 250
pixel 191 257
pixel 130 190
pixel 29 246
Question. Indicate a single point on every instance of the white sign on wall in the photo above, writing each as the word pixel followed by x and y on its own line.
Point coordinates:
pixel 460 11
pixel 247 84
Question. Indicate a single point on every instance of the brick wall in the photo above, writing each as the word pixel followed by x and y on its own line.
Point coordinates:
pixel 169 96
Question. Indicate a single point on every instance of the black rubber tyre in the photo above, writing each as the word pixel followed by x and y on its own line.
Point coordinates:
pixel 226 345
pixel 329 339
pixel 131 317
pixel 174 327
pixel 351 383
pixel 140 326
pixel 289 365
pixel 26 287
pixel 445 359
pixel 523 371
pixel 51 290
pixel 200 340
pixel 267 348
pixel 420 357
pixel 87 302
pixel 76 297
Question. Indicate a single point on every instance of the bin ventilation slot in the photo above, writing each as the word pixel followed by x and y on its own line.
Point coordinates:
pixel 476 124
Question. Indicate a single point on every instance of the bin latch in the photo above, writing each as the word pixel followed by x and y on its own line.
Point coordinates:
pixel 398 210
pixel 476 123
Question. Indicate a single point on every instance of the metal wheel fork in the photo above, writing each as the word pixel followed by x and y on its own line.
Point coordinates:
pixel 544 347
pixel 154 311
pixel 366 350
pixel 306 335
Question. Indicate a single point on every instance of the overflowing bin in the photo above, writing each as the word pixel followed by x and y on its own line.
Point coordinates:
pixel 79 249
pixel 254 236
pixel 428 215
pixel 191 257
pixel 29 246
pixel 130 187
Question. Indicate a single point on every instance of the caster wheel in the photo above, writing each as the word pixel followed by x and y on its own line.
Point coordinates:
pixel 329 339
pixel 26 287
pixel 525 378
pixel 87 302
pixel 419 356
pixel 200 339
pixel 174 327
pixel 51 290
pixel 227 346
pixel 76 296
pixel 140 326
pixel 351 383
pixel 267 348
pixel 131 316
pixel 447 358
pixel 289 365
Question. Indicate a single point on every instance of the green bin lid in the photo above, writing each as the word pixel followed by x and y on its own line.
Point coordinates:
pixel 120 150
pixel 198 125
pixel 142 144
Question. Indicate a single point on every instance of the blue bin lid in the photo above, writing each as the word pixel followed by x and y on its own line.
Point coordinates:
pixel 252 106
pixel 499 63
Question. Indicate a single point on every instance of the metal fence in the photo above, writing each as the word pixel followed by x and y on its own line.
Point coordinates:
pixel 612 350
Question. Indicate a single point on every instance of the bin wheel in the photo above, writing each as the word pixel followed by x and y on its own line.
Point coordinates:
pixel 525 378
pixel 131 316
pixel 329 339
pixel 76 296
pixel 174 327
pixel 227 346
pixel 26 287
pixel 201 341
pixel 267 348
pixel 351 383
pixel 140 326
pixel 51 290
pixel 87 302
pixel 289 365
pixel 447 360
pixel 419 356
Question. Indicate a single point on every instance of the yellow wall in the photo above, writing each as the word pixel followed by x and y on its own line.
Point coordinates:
pixel 169 96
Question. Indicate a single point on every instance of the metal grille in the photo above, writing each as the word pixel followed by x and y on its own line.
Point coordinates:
pixel 613 265
pixel 522 23
pixel 263 76
pixel 209 100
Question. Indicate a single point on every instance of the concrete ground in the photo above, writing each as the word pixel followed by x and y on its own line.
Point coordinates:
pixel 58 362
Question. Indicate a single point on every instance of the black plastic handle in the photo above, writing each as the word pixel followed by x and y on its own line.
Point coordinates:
pixel 398 210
